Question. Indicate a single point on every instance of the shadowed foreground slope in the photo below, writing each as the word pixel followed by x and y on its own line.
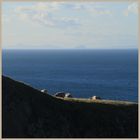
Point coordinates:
pixel 26 113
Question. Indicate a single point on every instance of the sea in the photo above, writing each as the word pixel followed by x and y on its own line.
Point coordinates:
pixel 110 74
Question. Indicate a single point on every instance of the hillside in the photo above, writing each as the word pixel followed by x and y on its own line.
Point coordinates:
pixel 29 113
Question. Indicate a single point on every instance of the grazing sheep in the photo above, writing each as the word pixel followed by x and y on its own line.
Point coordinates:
pixel 60 94
pixel 68 95
pixel 63 95
pixel 95 98
pixel 44 91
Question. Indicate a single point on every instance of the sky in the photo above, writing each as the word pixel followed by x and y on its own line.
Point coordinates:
pixel 69 25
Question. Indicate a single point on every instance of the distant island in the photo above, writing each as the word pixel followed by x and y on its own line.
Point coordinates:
pixel 29 113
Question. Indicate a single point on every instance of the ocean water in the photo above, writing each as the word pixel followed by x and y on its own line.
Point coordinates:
pixel 110 74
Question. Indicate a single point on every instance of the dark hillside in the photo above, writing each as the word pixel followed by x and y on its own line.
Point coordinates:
pixel 29 113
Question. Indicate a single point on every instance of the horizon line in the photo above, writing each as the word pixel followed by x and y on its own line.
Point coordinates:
pixel 70 49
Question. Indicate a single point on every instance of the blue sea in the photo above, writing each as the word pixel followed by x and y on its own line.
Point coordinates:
pixel 110 74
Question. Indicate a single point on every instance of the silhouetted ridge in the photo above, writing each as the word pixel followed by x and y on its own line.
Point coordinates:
pixel 27 112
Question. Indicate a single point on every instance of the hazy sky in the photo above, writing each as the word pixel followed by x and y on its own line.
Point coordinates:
pixel 69 25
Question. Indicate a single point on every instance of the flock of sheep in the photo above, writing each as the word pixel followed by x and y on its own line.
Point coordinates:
pixel 68 95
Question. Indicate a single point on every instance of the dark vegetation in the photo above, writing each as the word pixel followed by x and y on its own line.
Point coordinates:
pixel 29 113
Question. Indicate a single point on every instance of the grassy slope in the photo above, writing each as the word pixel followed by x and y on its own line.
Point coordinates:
pixel 29 113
